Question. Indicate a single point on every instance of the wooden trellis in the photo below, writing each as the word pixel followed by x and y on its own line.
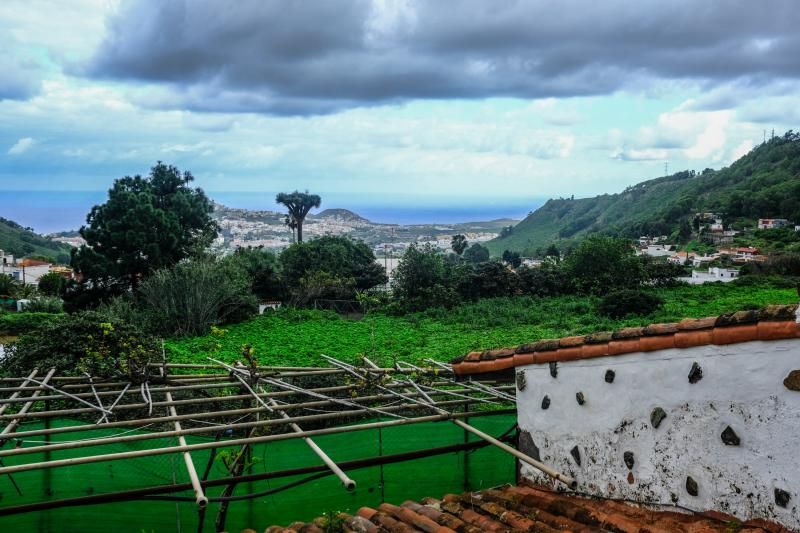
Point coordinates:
pixel 248 404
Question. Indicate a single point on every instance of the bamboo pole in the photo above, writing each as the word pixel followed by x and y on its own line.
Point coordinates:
pixel 237 442
pixel 17 393
pixel 346 480
pixel 32 400
pixel 291 390
pixel 146 492
pixel 71 445
pixel 555 474
pixel 200 497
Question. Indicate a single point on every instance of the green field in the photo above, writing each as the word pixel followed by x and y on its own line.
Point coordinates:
pixel 291 337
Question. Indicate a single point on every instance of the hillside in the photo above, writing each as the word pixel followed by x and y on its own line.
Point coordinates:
pixel 762 184
pixel 19 241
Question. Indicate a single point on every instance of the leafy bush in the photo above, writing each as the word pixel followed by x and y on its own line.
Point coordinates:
pixel 84 342
pixel 350 262
pixel 626 302
pixel 19 323
pixel 601 264
pixel 52 284
pixel 6 284
pixel 45 304
pixel 190 297
pixel 264 269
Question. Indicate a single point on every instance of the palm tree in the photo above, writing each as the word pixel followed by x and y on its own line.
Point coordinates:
pixel 298 204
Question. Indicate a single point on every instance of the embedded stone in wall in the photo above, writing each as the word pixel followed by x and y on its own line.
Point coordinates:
pixel 527 446
pixel 631 479
pixel 792 381
pixel 657 416
pixel 576 454
pixel 729 437
pixel 691 486
pixel 580 398
pixel 629 460
pixel 545 402
pixel 521 383
pixel 696 373
pixel 553 369
pixel 782 497
pixel 610 375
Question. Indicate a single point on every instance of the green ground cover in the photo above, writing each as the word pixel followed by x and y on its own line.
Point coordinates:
pixel 291 337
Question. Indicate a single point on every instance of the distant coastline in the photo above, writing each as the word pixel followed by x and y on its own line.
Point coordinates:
pixel 54 211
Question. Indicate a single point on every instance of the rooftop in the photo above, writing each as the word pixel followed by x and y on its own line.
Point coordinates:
pixel 524 508
pixel 770 323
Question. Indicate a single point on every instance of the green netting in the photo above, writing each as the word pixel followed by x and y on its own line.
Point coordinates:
pixel 432 476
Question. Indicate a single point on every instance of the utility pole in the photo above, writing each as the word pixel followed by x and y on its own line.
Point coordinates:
pixel 666 168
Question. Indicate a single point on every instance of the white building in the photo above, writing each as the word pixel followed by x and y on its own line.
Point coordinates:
pixel 770 223
pixel 657 250
pixel 711 275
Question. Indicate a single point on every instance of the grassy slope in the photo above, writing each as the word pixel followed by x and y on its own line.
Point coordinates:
pixel 18 241
pixel 771 170
pixel 297 337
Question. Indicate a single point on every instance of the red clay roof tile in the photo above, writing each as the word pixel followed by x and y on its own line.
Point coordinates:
pixel 770 323
pixel 525 508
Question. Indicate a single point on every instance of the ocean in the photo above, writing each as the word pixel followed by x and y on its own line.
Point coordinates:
pixel 52 211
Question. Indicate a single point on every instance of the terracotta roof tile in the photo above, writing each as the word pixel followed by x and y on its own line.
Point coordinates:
pixel 770 323
pixel 525 508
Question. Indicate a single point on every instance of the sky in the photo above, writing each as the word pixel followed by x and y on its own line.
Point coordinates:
pixel 397 103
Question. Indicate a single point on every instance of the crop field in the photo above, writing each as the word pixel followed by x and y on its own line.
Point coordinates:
pixel 297 337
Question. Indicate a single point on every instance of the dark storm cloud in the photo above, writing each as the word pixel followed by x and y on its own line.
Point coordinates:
pixel 293 57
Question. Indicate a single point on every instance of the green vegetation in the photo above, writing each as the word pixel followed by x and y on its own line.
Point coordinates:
pixel 297 337
pixel 146 224
pixel 18 323
pixel 19 242
pixel 765 183
pixel 84 342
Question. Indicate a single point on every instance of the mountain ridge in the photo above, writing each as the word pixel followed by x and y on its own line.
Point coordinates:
pixel 764 183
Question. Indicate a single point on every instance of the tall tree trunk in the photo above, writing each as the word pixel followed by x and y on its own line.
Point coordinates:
pixel 299 230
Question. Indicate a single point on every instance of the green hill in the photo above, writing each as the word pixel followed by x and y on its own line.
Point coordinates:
pixel 21 242
pixel 765 183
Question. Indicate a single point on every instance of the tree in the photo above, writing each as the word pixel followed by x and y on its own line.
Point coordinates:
pixel 330 267
pixel 601 264
pixel 506 231
pixel 476 254
pixel 552 251
pixel 512 258
pixel 6 284
pixel 264 269
pixel 458 243
pixel 147 223
pixel 52 284
pixel 422 280
pixel 298 204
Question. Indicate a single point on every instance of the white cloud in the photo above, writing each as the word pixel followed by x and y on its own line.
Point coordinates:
pixel 744 147
pixel 21 146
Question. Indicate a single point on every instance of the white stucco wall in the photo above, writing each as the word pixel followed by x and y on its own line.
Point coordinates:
pixel 742 387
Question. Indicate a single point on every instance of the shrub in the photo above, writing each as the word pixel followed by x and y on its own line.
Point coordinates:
pixel 340 258
pixel 84 342
pixel 190 297
pixel 626 302
pixel 264 269
pixel 6 285
pixel 19 323
pixel 52 284
pixel 601 264
pixel 45 304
